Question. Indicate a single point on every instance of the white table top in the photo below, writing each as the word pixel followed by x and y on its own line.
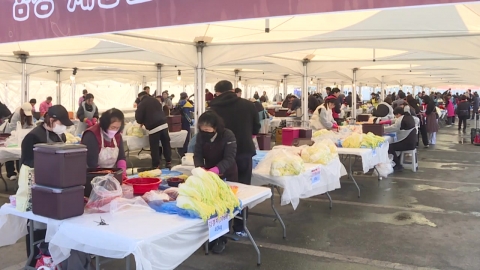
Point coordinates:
pixel 157 240
pixel 10 153
pixel 370 157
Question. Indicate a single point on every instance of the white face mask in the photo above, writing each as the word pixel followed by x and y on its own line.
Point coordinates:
pixel 59 129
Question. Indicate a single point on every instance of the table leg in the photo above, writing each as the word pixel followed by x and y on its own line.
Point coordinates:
pixel 206 247
pixel 378 174
pixel 31 230
pixel 272 200
pixel 329 198
pixel 1 177
pixel 350 173
pixel 278 190
pixel 97 263
pixel 244 217
pixel 128 262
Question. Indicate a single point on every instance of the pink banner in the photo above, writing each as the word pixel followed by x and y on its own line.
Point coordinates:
pixel 22 20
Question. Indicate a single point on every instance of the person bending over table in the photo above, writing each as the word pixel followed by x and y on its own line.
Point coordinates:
pixel 406 130
pixel 150 114
pixel 322 118
pixel 104 143
pixel 383 112
pixel 23 115
pixel 55 124
pixel 215 151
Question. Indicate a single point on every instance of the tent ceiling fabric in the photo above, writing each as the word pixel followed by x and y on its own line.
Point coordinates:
pixel 411 46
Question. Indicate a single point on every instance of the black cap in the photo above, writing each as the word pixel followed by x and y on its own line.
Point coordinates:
pixel 60 113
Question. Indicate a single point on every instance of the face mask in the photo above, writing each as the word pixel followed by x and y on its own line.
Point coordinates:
pixel 59 129
pixel 111 133
pixel 207 135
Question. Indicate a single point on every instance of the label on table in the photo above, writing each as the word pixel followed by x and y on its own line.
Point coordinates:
pixel 218 227
pixel 374 152
pixel 315 176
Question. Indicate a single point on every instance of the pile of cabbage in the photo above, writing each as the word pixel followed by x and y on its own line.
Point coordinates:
pixel 282 161
pixel 136 131
pixel 207 195
pixel 357 140
pixel 322 152
pixel 72 139
pixel 324 134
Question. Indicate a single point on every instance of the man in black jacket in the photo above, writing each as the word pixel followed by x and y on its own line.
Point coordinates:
pixel 241 117
pixel 150 114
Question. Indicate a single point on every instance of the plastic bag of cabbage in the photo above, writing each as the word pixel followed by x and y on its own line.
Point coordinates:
pixel 206 194
pixel 281 162
pixel 320 153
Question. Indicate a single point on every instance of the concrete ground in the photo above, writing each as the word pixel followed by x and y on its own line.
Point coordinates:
pixel 424 220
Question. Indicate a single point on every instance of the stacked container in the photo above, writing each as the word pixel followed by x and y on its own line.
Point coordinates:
pixel 60 174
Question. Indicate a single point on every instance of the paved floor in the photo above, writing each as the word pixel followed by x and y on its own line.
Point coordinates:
pixel 424 220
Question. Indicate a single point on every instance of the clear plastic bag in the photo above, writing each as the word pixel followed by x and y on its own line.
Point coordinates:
pixel 135 204
pixel 384 169
pixel 104 190
pixel 281 162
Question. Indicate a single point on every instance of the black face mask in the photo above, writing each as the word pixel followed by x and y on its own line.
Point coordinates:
pixel 207 135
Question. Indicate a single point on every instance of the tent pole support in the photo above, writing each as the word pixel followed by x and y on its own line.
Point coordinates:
pixel 24 97
pixel 159 79
pixel 199 92
pixel 59 87
pixel 305 117
pixel 354 93
pixel 285 86
pixel 236 78
pixel 382 89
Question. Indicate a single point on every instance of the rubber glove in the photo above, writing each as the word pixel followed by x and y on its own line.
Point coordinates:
pixel 386 122
pixel 254 136
pixel 335 126
pixel 122 164
pixel 94 121
pixel 214 170
pixel 88 122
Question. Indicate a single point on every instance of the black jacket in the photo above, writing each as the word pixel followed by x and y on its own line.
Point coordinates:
pixel 150 113
pixel 37 135
pixel 241 117
pixel 463 109
pixel 4 111
pixel 313 103
pixel 220 153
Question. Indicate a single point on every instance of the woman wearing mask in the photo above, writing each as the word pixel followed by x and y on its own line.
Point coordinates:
pixel 432 122
pixel 22 115
pixel 406 135
pixel 104 142
pixel 322 118
pixel 413 104
pixel 55 124
pixel 87 114
pixel 215 151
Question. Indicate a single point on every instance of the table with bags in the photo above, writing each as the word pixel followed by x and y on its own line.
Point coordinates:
pixel 129 231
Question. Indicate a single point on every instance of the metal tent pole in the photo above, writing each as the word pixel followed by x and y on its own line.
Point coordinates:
pixel 59 87
pixel 354 94
pixel 285 86
pixel 199 92
pixel 235 85
pixel 382 89
pixel 305 92
pixel 159 79
pixel 74 86
pixel 24 97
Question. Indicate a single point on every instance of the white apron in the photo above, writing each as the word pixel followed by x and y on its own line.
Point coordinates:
pixel 89 115
pixel 107 158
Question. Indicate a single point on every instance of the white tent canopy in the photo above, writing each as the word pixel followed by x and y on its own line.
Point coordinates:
pixel 427 46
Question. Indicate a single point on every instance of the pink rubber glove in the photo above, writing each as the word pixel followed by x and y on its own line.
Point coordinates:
pixel 254 136
pixel 335 126
pixel 122 164
pixel 385 122
pixel 215 170
pixel 88 122
pixel 94 121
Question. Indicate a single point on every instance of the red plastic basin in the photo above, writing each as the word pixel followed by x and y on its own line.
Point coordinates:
pixel 143 185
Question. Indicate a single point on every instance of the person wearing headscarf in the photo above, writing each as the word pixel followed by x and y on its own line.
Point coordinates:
pixel 405 128
pixel 413 104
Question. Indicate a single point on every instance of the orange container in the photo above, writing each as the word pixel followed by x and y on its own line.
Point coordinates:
pixel 70 115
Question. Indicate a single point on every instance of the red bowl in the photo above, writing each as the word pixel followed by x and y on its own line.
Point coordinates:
pixel 143 185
